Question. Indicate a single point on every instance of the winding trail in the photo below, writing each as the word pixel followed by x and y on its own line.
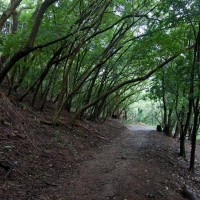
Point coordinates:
pixel 128 168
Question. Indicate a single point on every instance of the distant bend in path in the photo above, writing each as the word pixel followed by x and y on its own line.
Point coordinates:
pixel 139 127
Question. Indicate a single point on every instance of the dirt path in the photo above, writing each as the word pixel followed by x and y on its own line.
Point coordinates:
pixel 130 167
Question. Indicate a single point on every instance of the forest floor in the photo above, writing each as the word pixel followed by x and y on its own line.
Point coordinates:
pixel 89 161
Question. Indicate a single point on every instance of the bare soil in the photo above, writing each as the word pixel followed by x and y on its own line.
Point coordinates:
pixel 90 160
pixel 140 164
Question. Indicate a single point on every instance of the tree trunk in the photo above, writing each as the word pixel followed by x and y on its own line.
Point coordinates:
pixel 159 128
pixel 168 126
pixel 125 114
pixel 6 14
pixel 182 145
pixel 190 132
pixel 68 105
pixel 177 131
pixel 194 135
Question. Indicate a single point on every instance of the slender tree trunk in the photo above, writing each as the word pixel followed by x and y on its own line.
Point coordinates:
pixel 196 102
pixel 177 131
pixel 69 105
pixel 194 135
pixel 190 132
pixel 165 129
pixel 182 144
pixel 125 114
pixel 190 104
pixel 89 92
pixel 168 125
pixel 48 87
pixel 6 14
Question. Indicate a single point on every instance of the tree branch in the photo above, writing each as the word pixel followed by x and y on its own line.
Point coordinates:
pixel 6 14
